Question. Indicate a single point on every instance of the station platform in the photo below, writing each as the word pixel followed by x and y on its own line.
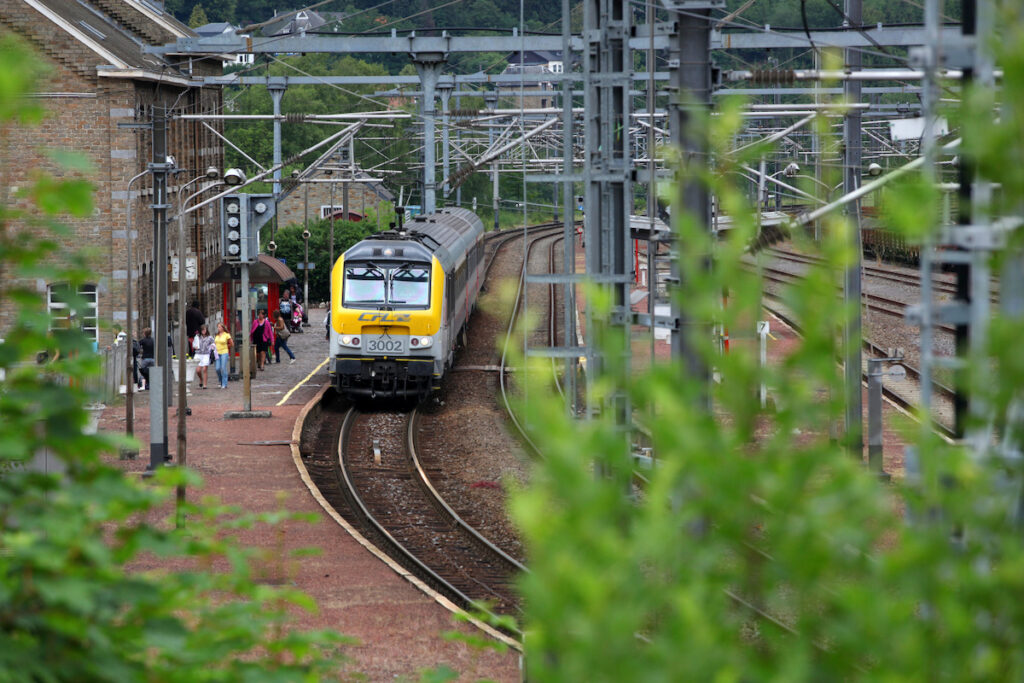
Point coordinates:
pixel 249 463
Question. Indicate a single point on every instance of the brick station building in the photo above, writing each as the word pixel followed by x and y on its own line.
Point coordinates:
pixel 100 77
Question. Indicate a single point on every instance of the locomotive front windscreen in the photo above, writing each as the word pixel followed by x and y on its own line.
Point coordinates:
pixel 405 285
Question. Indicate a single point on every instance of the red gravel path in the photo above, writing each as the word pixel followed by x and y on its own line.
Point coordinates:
pixel 399 626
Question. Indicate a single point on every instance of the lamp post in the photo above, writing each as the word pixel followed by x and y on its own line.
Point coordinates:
pixel 305 240
pixel 212 173
pixel 129 378
pixel 328 172
pixel 305 266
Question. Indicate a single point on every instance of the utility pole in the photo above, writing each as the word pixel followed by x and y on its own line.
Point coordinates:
pixel 330 238
pixel 445 89
pixel 568 211
pixel 428 66
pixel 852 277
pixel 691 84
pixel 276 85
pixel 305 241
pixel 607 175
pixel 159 380
pixel 491 101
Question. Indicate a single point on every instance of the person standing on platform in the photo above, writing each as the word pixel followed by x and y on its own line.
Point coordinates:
pixel 223 344
pixel 194 318
pixel 281 335
pixel 147 346
pixel 262 334
pixel 204 346
pixel 285 305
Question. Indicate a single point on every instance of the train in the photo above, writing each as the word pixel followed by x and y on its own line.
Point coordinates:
pixel 400 306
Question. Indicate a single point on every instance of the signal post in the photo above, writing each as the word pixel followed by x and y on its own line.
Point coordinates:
pixel 242 216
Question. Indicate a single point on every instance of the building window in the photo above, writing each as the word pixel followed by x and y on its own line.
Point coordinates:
pixel 62 318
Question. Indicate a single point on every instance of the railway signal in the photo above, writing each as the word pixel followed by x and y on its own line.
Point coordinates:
pixel 242 216
pixel 234 212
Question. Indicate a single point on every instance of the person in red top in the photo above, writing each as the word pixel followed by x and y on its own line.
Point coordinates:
pixel 262 334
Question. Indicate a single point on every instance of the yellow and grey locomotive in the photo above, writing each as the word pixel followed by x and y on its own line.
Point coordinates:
pixel 399 301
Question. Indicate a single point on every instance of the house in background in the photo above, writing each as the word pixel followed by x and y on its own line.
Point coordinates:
pixel 535 65
pixel 293 22
pixel 331 185
pixel 220 28
pixel 101 94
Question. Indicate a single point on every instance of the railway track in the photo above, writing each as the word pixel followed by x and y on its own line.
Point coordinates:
pixel 366 466
pixel 941 284
pixel 382 473
pixel 872 302
pixel 551 331
pixel 905 393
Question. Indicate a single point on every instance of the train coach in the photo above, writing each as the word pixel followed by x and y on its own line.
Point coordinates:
pixel 400 302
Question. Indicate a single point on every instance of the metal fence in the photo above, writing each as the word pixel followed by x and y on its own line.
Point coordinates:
pixel 113 375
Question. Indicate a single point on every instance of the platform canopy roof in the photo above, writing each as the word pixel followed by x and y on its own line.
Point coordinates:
pixel 266 269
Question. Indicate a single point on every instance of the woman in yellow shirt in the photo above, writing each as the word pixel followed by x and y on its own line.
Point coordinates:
pixel 223 343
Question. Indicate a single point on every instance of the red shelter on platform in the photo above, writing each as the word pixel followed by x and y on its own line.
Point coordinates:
pixel 267 278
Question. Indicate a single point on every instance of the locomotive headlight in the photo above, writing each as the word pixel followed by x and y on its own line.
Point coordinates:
pixel 349 340
pixel 421 342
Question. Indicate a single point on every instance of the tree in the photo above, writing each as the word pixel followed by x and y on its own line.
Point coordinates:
pixel 198 17
pixel 70 608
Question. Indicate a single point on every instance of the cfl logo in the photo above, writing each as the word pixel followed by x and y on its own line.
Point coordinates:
pixel 385 317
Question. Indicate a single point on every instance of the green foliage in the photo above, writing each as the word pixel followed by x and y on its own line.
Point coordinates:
pixel 256 138
pixel 198 17
pixel 758 549
pixel 75 603
pixel 23 69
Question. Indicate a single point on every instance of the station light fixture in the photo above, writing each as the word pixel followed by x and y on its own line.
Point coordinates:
pixel 234 176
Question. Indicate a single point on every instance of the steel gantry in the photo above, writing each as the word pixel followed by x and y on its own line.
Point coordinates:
pixel 601 145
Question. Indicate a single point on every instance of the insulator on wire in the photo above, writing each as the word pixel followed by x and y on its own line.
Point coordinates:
pixel 294 118
pixel 773 76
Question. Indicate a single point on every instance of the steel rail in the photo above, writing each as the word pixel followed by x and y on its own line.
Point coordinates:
pixel 398 550
pixel 440 502
pixel 502 366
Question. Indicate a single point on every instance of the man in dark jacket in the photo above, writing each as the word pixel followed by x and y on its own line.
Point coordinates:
pixel 147 346
pixel 194 319
pixel 148 352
